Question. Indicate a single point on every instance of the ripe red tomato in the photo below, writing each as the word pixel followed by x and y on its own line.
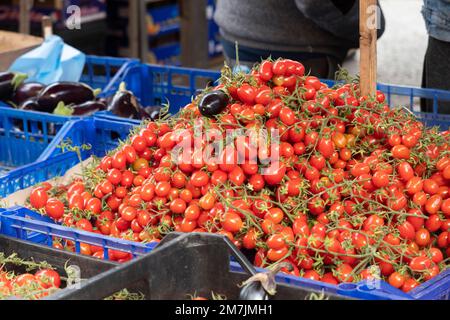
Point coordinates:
pixel 373 222
pixel 433 223
pixel 414 185
pixel 409 284
pixel 228 159
pixel 162 188
pixel 147 192
pixel 400 152
pixel 119 160
pixel 446 172
pixel 54 208
pixel 423 237
pixel 128 213
pixel 139 143
pixel 397 201
pixel 25 279
pixel 430 186
pixel 279 67
pixel 237 176
pixel 265 70
pixel 246 94
pixel 199 178
pixel 231 222
pixel 311 274
pixel 420 263
pixel 406 230
pixel 445 207
pixel 207 201
pixel 287 116
pixel 433 205
pixel 314 82
pixel 38 198
pixel 106 163
pixel 276 215
pixel 396 279
pixel 380 179
pixel 178 206
pixel 84 224
pixel 277 254
pixel 325 146
pixel 93 205
pixel 344 273
pixel 405 170
pixel 48 278
pixel 275 173
pixel 276 241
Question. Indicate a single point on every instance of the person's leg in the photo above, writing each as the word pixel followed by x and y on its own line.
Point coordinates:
pixel 425 105
pixel 437 71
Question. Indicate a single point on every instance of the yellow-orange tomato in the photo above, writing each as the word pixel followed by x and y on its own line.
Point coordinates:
pixel 339 140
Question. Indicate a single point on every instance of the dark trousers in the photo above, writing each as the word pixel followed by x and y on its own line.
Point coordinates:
pixel 436 73
pixel 319 65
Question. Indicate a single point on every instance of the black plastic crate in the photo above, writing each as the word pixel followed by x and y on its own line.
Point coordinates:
pixel 181 266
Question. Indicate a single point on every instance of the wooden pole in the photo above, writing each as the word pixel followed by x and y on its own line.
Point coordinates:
pixel 368 11
pixel 24 16
pixel 194 33
pixel 133 28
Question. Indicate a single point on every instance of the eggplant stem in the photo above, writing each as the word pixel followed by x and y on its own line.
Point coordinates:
pixel 96 92
pixel 63 110
pixel 122 86
pixel 18 79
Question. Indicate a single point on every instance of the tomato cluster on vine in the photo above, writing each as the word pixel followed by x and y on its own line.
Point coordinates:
pixel 28 285
pixel 360 191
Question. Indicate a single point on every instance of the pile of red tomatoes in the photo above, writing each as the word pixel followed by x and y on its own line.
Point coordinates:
pixel 360 190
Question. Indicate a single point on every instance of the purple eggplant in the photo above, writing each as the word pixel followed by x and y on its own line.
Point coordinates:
pixel 124 104
pixel 83 109
pixel 26 91
pixel 8 84
pixel 6 76
pixel 152 113
pixel 88 108
pixel 30 104
pixel 66 92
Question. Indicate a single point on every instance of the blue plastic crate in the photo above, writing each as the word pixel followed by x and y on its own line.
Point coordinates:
pixel 105 73
pixel 437 288
pixel 167 17
pixel 35 173
pixel 24 224
pixel 100 134
pixel 162 14
pixel 167 54
pixel 25 135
